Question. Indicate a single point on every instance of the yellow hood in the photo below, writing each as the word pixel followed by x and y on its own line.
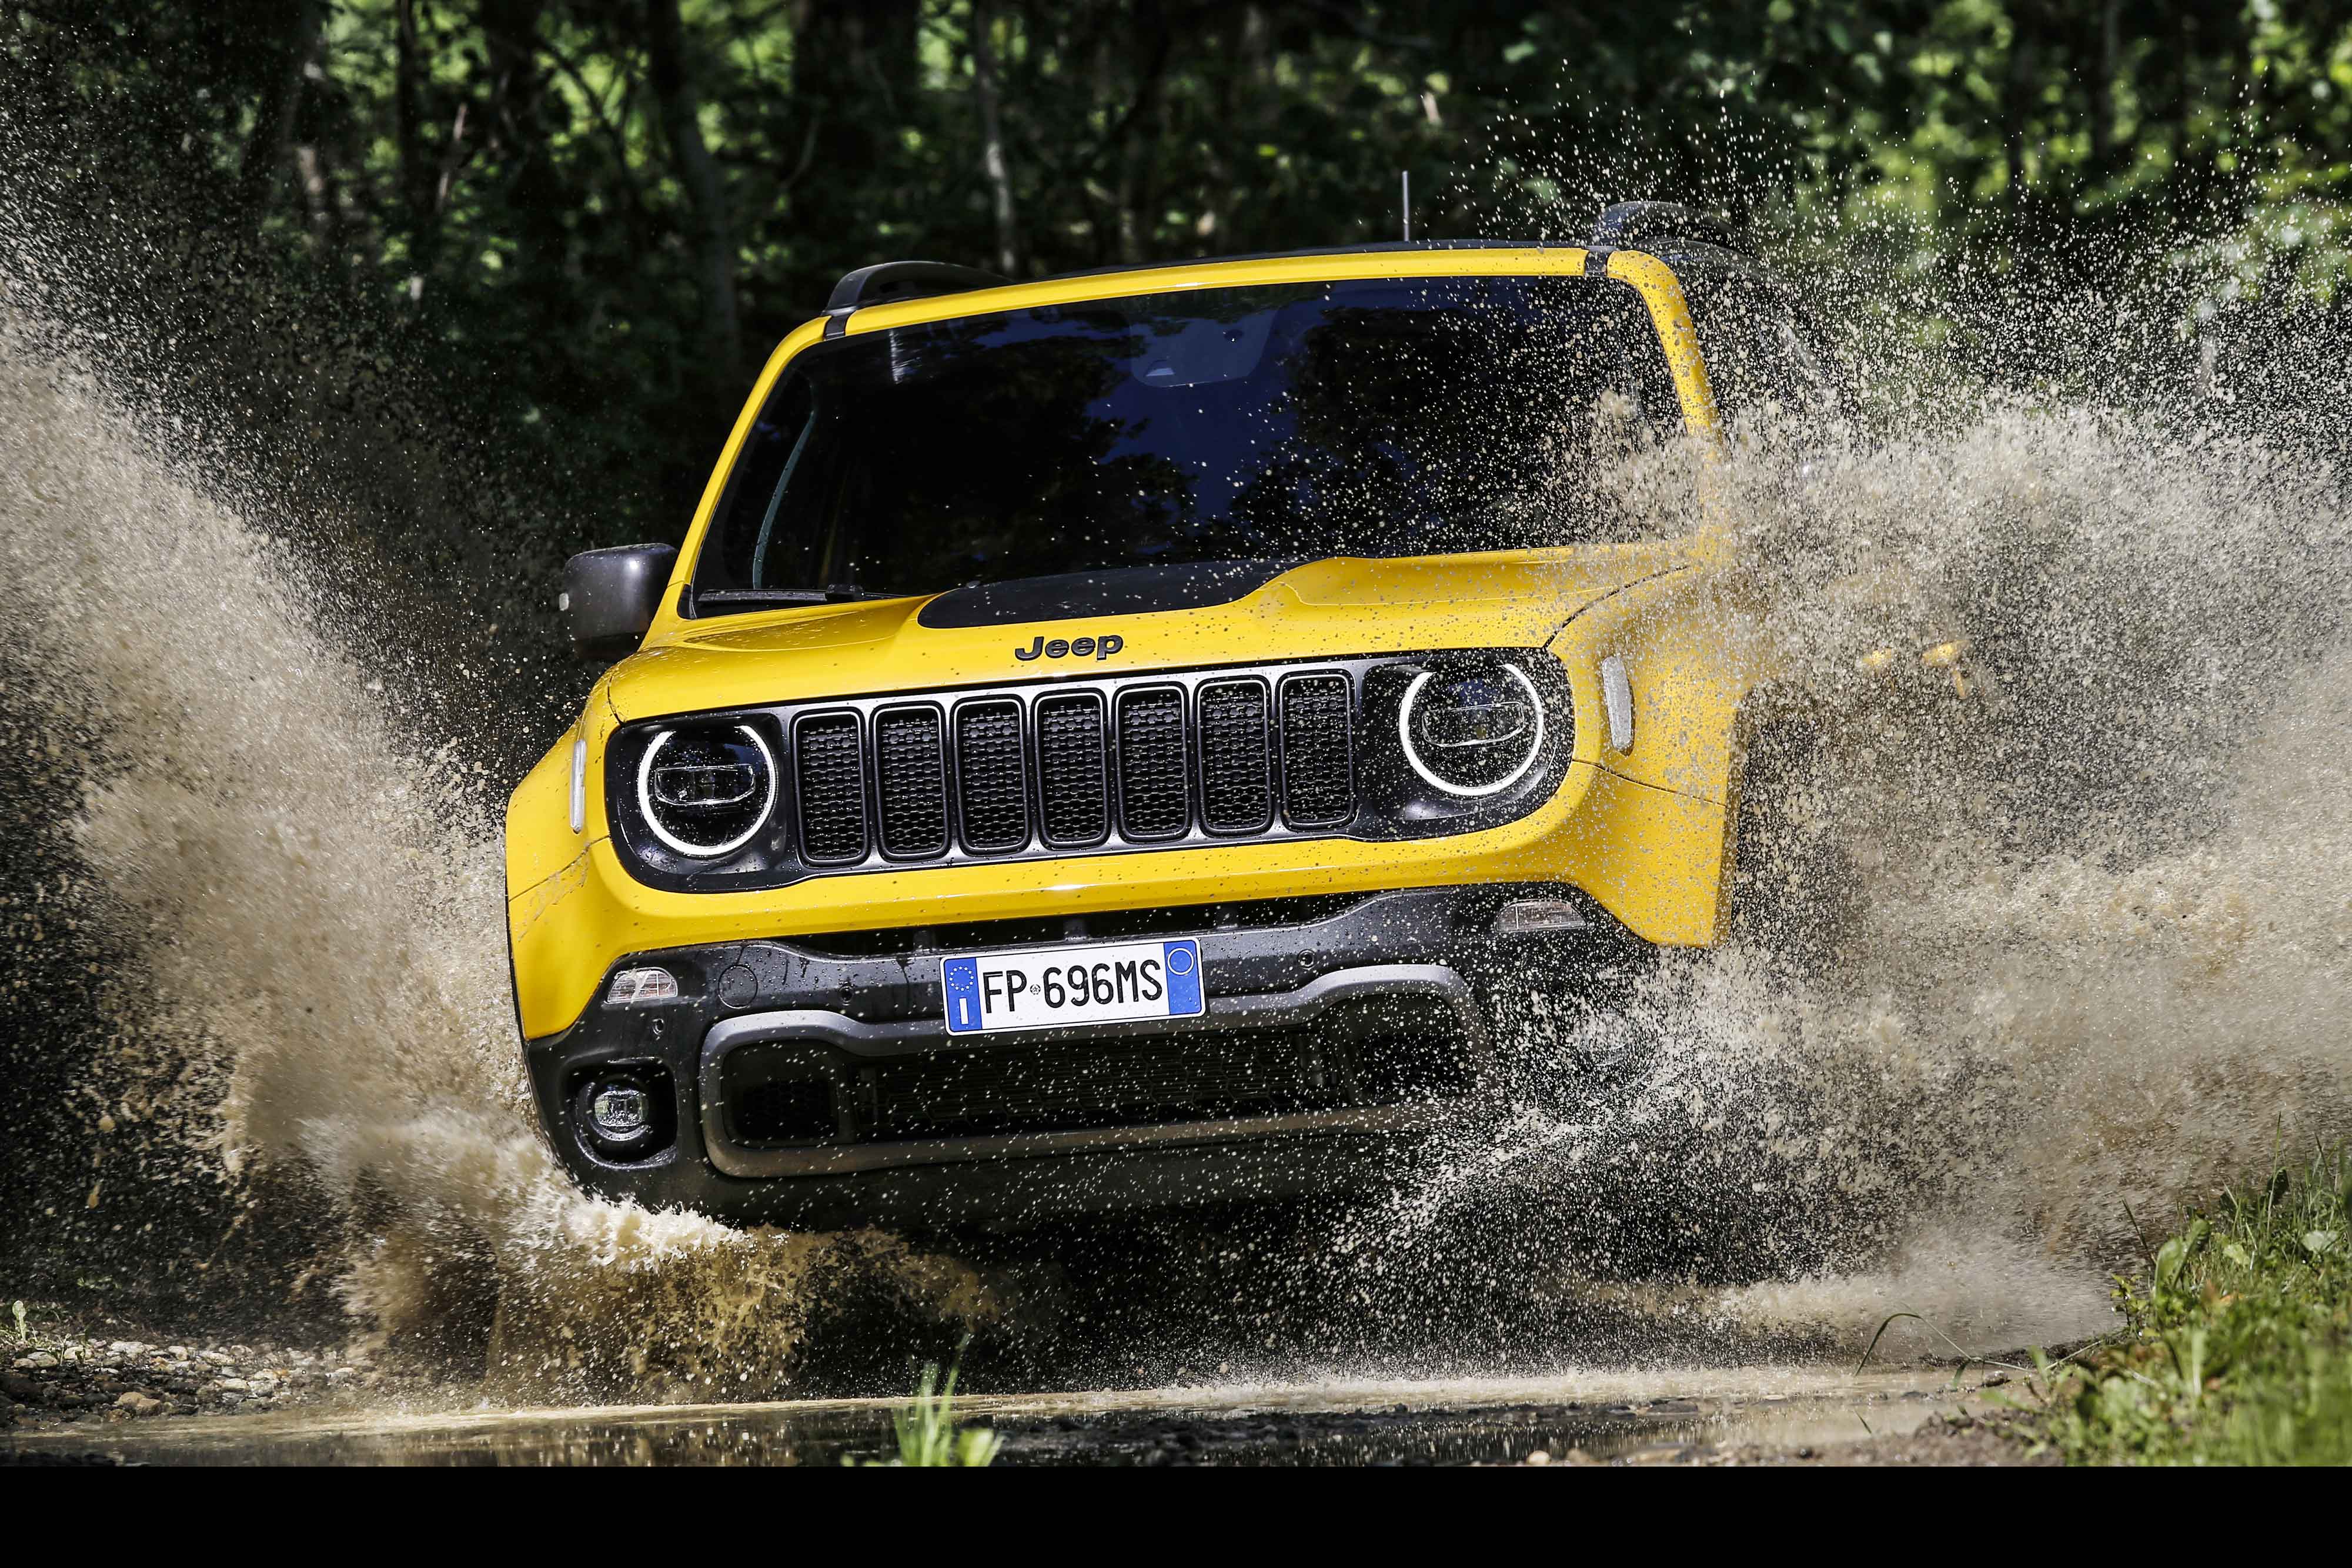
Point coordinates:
pixel 1327 609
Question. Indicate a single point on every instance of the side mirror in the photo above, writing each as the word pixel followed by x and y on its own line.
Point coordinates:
pixel 609 597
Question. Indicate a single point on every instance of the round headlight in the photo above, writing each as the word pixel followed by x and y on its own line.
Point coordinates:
pixel 704 792
pixel 1472 731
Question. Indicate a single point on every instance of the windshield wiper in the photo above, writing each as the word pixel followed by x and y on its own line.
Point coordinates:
pixel 749 597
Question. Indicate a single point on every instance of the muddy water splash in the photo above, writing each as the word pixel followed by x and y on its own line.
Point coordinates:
pixel 2042 932
pixel 2055 929
pixel 315 901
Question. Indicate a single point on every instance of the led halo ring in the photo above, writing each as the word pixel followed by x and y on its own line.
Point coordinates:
pixel 703 851
pixel 1429 775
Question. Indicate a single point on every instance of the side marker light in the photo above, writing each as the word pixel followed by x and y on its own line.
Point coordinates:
pixel 580 785
pixel 633 985
pixel 1617 697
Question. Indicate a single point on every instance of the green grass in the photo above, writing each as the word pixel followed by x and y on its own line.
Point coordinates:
pixel 2238 1345
pixel 926 1427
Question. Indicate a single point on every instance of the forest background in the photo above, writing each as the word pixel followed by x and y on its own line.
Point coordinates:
pixel 504 269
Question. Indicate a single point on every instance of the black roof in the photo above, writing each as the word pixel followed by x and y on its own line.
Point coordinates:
pixel 1677 234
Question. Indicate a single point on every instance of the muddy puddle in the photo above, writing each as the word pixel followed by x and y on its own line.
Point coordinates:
pixel 1600 1417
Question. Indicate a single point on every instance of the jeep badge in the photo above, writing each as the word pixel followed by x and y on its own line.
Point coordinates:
pixel 1084 647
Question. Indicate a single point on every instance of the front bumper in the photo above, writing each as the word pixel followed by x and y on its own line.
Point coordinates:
pixel 811 1081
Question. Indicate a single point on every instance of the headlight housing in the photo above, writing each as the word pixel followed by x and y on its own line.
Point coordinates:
pixel 1463 740
pixel 704 792
pixel 1472 733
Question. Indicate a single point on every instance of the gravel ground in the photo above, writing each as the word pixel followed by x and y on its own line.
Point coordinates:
pixel 1941 1441
pixel 49 1383
pixel 94 1375
pixel 1940 1444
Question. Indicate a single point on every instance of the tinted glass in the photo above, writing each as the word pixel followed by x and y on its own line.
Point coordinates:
pixel 1760 354
pixel 1364 417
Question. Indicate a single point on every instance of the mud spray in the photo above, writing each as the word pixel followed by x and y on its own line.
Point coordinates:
pixel 319 904
pixel 2044 925
pixel 2056 925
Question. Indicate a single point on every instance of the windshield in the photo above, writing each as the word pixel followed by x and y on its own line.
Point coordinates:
pixel 1291 422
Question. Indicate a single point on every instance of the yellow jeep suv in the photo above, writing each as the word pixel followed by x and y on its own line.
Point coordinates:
pixel 1128 739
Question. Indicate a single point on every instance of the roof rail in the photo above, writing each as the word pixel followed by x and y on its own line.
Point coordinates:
pixel 889 281
pixel 1637 224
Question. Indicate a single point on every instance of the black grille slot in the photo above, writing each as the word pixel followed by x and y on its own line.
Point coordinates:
pixel 1073 769
pixel 1152 800
pixel 1236 758
pixel 831 775
pixel 992 786
pixel 1359 1054
pixel 910 769
pixel 783 1094
pixel 1318 771
pixel 1052 1087
pixel 786 1111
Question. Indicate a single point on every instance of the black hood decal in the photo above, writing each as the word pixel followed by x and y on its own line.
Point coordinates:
pixel 1084 595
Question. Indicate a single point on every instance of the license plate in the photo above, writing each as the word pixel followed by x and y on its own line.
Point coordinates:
pixel 1050 988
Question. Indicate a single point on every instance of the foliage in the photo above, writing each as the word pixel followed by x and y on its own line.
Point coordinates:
pixel 550 239
pixel 926 1427
pixel 2240 1345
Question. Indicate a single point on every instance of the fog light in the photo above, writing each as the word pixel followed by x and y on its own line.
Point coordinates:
pixel 1540 916
pixel 624 1114
pixel 618 1112
pixel 632 985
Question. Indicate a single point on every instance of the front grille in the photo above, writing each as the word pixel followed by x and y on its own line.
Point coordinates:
pixel 1073 768
pixel 910 779
pixel 1154 802
pixel 1236 758
pixel 1056 1087
pixel 831 773
pixel 783 1111
pixel 991 781
pixel 1097 763
pixel 1318 786
pixel 1367 1053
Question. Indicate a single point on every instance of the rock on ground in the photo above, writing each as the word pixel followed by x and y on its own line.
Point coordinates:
pixel 51 1381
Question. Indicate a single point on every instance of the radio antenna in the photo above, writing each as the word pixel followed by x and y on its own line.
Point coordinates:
pixel 1404 178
